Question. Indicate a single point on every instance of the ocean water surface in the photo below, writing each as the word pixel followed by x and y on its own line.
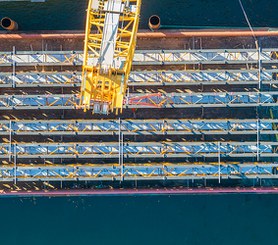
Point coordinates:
pixel 70 14
pixel 125 220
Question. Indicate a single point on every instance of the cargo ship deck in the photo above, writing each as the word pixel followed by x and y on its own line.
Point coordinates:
pixel 200 112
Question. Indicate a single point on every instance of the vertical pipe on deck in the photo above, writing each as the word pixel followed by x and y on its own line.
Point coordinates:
pixel 219 163
pixel 258 139
pixel 260 85
pixel 14 64
pixel 259 66
pixel 122 162
pixel 119 139
pixel 120 149
pixel 10 139
pixel 15 165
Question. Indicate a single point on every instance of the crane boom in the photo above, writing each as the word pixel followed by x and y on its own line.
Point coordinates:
pixel 109 47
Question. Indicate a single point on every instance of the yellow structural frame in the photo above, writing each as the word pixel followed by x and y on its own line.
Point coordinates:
pixel 108 88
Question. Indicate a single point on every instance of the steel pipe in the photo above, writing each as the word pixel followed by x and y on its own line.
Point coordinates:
pixel 154 22
pixel 9 24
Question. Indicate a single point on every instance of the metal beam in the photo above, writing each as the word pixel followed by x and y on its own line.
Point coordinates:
pixel 139 150
pixel 140 127
pixel 168 100
pixel 144 78
pixel 131 172
pixel 144 57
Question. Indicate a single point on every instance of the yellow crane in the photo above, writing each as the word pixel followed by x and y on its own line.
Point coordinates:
pixel 110 43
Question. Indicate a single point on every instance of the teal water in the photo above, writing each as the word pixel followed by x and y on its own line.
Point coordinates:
pixel 171 220
pixel 70 14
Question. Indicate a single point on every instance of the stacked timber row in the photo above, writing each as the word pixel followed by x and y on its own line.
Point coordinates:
pixel 199 111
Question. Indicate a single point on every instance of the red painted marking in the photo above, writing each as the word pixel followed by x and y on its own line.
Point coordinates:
pixel 122 192
pixel 147 34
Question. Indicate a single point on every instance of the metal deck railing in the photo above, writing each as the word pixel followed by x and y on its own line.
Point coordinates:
pixel 145 78
pixel 138 100
pixel 247 140
pixel 144 57
pixel 114 172
pixel 139 150
pixel 140 127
